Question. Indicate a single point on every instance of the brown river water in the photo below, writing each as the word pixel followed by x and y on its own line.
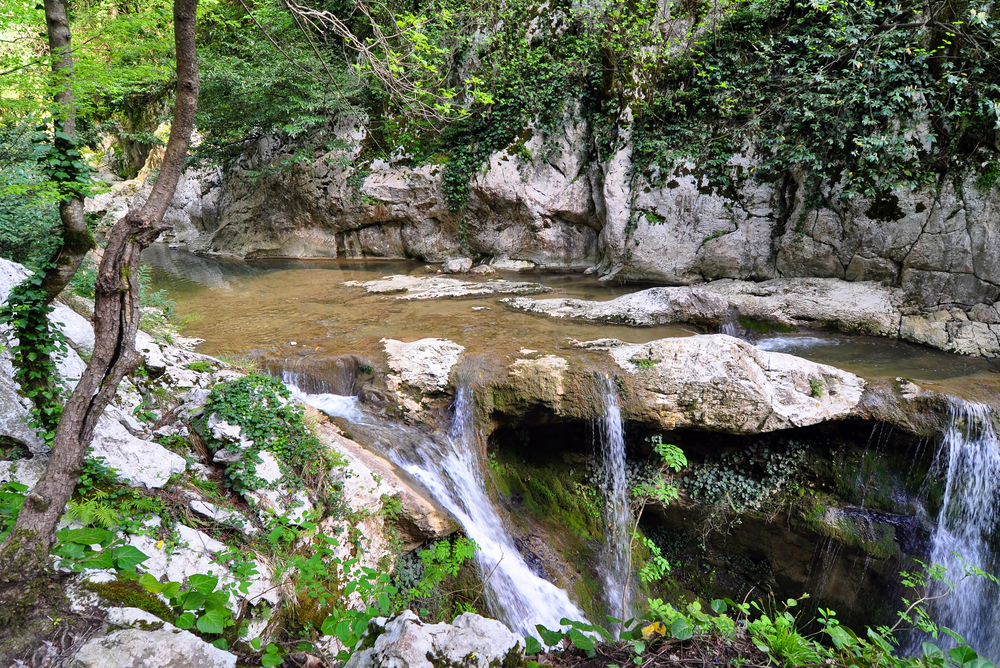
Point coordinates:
pixel 261 307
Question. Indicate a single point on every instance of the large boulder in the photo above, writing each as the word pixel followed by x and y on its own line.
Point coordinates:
pixel 724 384
pixel 424 365
pixel 470 641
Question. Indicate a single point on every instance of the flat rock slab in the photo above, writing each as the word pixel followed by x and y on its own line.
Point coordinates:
pixel 724 384
pixel 438 287
pixel 646 308
pixel 855 307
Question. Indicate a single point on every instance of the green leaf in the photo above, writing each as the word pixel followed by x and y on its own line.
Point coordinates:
pixel 680 629
pixel 581 641
pixel 203 583
pixel 185 621
pixel 100 560
pixel 127 557
pixel 550 638
pixel 221 644
pixel 86 536
pixel 962 654
pixel 532 646
pixel 214 621
pixel 151 584
pixel 718 606
pixel 192 600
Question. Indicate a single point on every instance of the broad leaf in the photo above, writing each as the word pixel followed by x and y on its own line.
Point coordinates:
pixel 127 557
pixel 213 621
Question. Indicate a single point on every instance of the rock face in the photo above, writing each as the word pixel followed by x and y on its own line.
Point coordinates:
pixel 166 647
pixel 470 641
pixel 546 206
pixel 724 384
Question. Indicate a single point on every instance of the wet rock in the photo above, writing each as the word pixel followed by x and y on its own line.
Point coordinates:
pixel 542 379
pixel 166 647
pixel 424 364
pixel 854 307
pixel 437 287
pixel 369 479
pixel 458 265
pixel 721 383
pixel 482 270
pixel 406 642
pixel 655 306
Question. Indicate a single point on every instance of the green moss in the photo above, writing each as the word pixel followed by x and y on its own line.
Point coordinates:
pixel 552 491
pixel 130 594
pixel 763 326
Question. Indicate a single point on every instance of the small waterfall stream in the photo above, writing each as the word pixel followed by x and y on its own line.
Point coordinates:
pixel 449 468
pixel 967 526
pixel 611 466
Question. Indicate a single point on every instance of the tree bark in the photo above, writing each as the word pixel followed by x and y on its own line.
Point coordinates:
pixel 77 239
pixel 116 317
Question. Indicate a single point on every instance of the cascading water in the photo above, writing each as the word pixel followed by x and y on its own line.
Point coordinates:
pixel 967 526
pixel 451 472
pixel 613 473
pixel 449 469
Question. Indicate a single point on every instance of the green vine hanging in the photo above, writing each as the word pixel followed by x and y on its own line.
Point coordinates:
pixel 35 349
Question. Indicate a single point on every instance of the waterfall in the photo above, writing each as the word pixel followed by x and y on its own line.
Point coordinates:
pixel 449 468
pixel 610 434
pixel 967 526
pixel 450 471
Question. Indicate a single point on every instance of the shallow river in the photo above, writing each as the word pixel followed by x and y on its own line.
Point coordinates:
pixel 261 307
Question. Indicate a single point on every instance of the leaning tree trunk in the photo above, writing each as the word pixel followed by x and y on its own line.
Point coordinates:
pixel 116 317
pixel 77 239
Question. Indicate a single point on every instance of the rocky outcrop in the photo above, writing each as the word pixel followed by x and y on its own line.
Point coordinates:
pixel 369 480
pixel 721 383
pixel 544 204
pixel 424 365
pixel 470 641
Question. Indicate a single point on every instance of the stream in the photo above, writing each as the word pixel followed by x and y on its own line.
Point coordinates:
pixel 299 316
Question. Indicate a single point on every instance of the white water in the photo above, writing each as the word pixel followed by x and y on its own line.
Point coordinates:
pixel 611 444
pixel 967 525
pixel 335 405
pixel 450 471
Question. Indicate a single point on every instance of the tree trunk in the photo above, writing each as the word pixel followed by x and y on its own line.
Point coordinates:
pixel 77 239
pixel 116 317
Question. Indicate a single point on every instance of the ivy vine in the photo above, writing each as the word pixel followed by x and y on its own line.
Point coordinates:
pixel 36 346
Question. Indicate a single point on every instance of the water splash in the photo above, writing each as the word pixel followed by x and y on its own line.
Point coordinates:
pixel 967 526
pixel 613 473
pixel 334 405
